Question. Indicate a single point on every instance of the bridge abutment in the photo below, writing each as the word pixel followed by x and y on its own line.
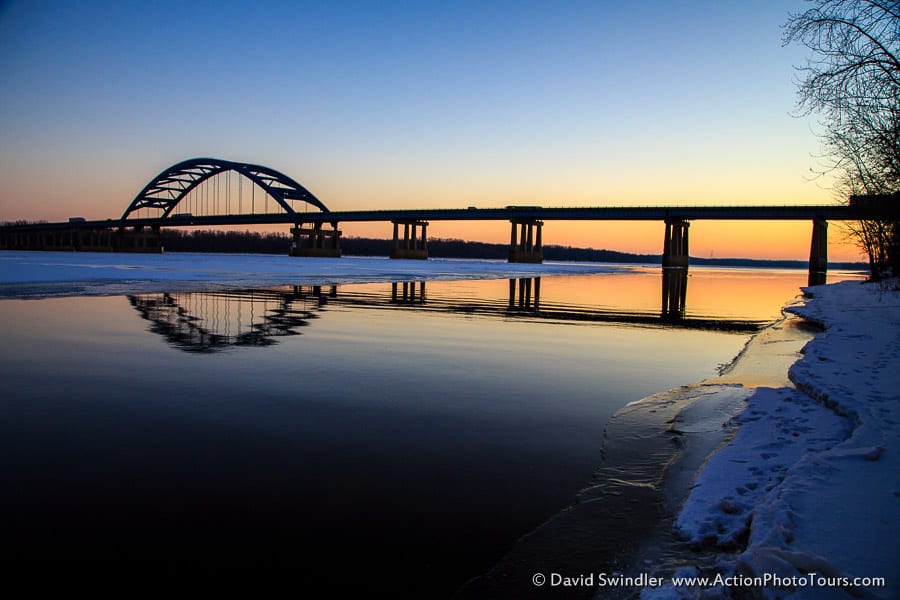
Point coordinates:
pixel 316 241
pixel 414 243
pixel 818 253
pixel 527 247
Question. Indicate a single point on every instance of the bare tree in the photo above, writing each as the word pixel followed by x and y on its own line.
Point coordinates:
pixel 852 78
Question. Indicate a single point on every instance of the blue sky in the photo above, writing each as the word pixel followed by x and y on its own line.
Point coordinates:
pixel 404 104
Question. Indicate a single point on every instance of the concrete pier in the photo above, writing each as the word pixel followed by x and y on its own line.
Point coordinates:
pixel 316 241
pixel 675 246
pixel 527 247
pixel 414 243
pixel 140 239
pixel 818 253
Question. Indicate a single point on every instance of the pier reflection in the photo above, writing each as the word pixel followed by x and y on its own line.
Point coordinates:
pixel 317 293
pixel 525 294
pixel 405 292
pixel 214 321
pixel 674 293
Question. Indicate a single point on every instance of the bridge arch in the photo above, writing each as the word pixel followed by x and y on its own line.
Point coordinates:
pixel 171 186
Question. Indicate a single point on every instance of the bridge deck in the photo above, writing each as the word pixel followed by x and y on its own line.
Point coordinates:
pixel 620 213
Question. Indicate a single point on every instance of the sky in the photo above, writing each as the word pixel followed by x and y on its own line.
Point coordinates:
pixel 421 105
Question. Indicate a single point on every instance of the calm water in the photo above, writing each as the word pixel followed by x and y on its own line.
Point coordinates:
pixel 408 433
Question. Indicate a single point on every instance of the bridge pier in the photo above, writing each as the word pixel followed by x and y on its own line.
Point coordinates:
pixel 316 241
pixel 675 246
pixel 98 240
pixel 139 239
pixel 818 253
pixel 412 245
pixel 528 247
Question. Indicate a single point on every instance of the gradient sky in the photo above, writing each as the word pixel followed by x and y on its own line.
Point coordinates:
pixel 420 104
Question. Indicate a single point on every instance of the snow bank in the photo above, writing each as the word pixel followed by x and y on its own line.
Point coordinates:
pixel 80 273
pixel 776 430
pixel 806 498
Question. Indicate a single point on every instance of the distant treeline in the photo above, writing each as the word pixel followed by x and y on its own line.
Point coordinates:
pixel 175 240
pixel 21 222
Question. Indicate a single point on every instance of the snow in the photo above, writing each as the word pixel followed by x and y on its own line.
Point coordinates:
pixel 30 274
pixel 810 484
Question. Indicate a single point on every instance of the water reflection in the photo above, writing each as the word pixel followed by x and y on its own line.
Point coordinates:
pixel 430 432
pixel 674 293
pixel 315 292
pixel 213 321
pixel 526 301
pixel 405 292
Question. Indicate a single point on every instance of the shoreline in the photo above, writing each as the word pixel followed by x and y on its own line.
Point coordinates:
pixel 652 450
pixel 803 500
pixel 703 424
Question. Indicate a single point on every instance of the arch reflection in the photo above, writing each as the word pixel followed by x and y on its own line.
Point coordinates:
pixel 214 321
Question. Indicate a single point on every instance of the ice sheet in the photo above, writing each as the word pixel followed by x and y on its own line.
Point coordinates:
pixel 30 274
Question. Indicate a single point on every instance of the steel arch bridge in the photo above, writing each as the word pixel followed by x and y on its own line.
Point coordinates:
pixel 170 187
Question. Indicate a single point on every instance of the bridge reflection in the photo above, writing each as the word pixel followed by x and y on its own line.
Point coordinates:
pixel 525 299
pixel 525 294
pixel 218 320
pixel 674 293
pixel 214 321
pixel 405 292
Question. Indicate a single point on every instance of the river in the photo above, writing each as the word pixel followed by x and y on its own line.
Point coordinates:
pixel 390 435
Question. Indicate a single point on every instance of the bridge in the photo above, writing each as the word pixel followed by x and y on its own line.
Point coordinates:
pixel 207 192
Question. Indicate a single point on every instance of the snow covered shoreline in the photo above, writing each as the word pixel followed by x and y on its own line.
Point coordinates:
pixel 804 501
